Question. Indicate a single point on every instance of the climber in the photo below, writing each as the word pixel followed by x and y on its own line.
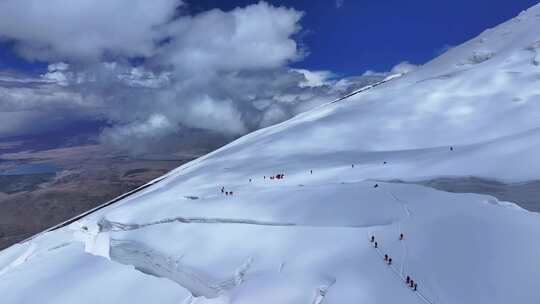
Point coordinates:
pixel 311 171
pixel 226 192
pixel 250 180
pixel 376 185
pixel 384 163
pixel 408 279
pixel 352 166
pixel 411 283
pixel 222 189
pixel 372 239
pixel 386 257
pixel 451 148
pixel 415 286
pixel 375 244
pixel 401 237
pixel 389 261
pixel 231 193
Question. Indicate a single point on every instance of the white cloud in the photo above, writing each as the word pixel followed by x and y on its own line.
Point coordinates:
pixel 255 37
pixel 400 68
pixel 84 29
pixel 273 115
pixel 34 105
pixel 56 73
pixel 221 115
pixel 403 68
pixel 156 125
pixel 218 72
pixel 316 78
pixel 135 136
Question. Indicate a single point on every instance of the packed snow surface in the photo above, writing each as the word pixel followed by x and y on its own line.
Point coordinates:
pixel 306 237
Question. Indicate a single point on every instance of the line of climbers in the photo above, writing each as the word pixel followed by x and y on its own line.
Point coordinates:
pixel 226 192
pixel 277 176
pixel 280 176
pixel 412 284
pixel 388 260
pixel 384 163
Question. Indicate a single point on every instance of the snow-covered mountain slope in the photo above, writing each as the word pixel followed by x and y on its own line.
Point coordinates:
pixel 306 238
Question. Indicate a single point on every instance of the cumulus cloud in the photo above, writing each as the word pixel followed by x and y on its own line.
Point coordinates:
pixel 316 78
pixel 34 105
pixel 134 133
pixel 207 77
pixel 146 109
pixel 403 68
pixel 255 37
pixel 400 68
pixel 85 29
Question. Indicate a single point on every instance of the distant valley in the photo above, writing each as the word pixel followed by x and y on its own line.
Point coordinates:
pixel 42 187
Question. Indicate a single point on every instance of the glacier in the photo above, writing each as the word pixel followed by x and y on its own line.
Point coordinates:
pixel 306 238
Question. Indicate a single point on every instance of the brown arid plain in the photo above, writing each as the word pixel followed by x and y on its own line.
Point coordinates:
pixel 84 177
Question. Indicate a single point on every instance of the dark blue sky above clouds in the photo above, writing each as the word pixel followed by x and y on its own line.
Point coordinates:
pixel 351 36
pixel 365 35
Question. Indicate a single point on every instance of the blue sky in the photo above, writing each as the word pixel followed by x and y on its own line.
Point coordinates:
pixel 378 34
pixel 363 34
